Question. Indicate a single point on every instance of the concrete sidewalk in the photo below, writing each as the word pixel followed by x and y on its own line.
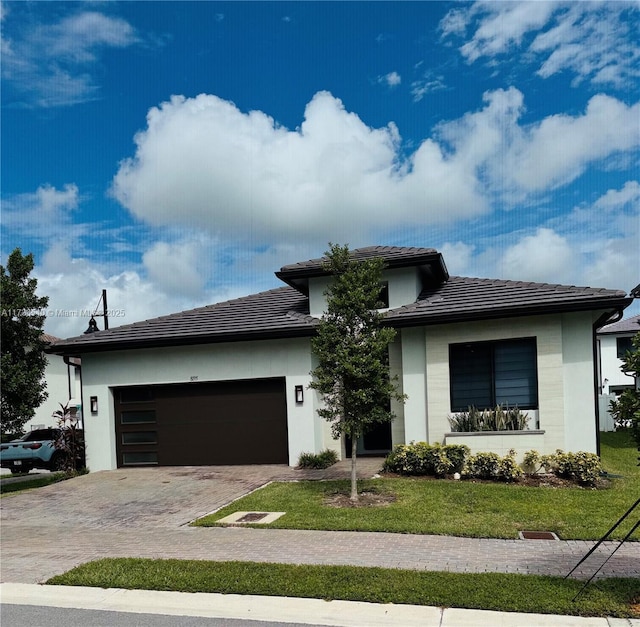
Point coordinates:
pixel 285 609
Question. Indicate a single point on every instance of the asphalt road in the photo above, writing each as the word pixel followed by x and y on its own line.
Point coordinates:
pixel 44 616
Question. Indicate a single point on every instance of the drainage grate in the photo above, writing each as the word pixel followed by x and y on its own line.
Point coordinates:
pixel 251 517
pixel 538 535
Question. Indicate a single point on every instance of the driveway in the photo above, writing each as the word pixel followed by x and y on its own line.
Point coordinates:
pixel 137 497
pixel 144 512
pixel 132 511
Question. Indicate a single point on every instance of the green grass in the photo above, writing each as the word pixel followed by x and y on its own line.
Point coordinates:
pixel 460 508
pixel 29 484
pixel 489 591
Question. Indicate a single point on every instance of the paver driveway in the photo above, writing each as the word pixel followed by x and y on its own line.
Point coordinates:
pixel 138 497
pixel 143 512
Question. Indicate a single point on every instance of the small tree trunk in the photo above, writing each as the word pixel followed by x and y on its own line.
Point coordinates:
pixel 354 475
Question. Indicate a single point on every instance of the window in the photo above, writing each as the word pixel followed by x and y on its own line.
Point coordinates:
pixel 623 344
pixel 486 374
pixel 384 295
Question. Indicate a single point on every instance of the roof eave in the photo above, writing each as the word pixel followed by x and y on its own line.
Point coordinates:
pixel 74 349
pixel 419 319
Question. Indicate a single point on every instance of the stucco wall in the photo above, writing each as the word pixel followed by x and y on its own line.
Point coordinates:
pixel 58 388
pixel 404 287
pixel 610 372
pixel 215 362
pixel 565 374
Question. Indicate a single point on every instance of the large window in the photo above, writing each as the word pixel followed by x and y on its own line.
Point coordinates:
pixel 486 374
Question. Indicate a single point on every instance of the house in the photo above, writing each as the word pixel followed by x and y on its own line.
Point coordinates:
pixel 614 340
pixel 62 375
pixel 228 383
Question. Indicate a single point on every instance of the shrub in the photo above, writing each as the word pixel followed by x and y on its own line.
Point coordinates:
pixel 421 458
pixel 483 466
pixel 509 468
pixel 320 460
pixel 582 467
pixel 492 466
pixel 495 419
pixel 531 462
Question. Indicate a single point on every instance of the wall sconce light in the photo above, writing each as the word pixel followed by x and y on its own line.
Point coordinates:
pixel 299 394
pixel 93 402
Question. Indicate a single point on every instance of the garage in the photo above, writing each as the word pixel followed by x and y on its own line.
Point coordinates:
pixel 202 424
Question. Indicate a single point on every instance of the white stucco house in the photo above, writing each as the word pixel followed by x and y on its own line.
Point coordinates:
pixel 613 340
pixel 228 383
pixel 62 376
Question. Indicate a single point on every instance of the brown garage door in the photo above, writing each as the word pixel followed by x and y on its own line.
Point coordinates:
pixel 201 424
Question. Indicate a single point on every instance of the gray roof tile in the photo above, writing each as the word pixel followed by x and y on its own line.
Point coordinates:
pixel 284 312
pixel 391 254
pixel 281 312
pixel 630 325
pixel 466 298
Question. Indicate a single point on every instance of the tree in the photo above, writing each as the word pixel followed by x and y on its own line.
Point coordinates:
pixel 352 351
pixel 626 409
pixel 23 359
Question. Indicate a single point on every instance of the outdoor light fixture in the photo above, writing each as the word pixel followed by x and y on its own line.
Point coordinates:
pixel 93 402
pixel 299 394
pixel 93 325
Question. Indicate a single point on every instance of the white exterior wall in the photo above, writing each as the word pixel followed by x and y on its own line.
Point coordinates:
pixel 414 384
pixel 213 362
pixel 58 388
pixel 404 287
pixel 566 397
pixel 610 372
pixel 579 382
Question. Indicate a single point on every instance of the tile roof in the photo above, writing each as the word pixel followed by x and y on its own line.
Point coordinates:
pixel 284 312
pixel 466 298
pixel 50 339
pixel 392 254
pixel 281 312
pixel 630 325
pixel 428 260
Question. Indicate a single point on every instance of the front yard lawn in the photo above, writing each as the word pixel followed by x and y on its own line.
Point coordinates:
pixel 460 508
pixel 489 591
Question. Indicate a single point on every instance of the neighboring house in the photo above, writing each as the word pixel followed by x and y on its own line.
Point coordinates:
pixel 63 384
pixel 228 383
pixel 614 340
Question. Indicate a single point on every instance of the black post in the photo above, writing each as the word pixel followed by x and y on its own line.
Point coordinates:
pixel 104 309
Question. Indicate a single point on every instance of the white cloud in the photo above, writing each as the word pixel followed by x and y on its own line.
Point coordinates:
pixel 49 64
pixel 392 79
pixel 594 41
pixel 521 160
pixel 544 256
pixel 74 286
pixel 45 214
pixel 613 199
pixel 426 85
pixel 204 163
pixel 457 257
pixel 181 267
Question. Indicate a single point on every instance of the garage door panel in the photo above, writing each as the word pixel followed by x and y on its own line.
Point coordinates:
pixel 239 422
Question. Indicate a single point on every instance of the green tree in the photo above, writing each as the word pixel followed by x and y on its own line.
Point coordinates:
pixel 626 409
pixel 352 351
pixel 23 360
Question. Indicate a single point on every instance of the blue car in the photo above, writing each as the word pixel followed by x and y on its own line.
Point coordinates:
pixel 36 449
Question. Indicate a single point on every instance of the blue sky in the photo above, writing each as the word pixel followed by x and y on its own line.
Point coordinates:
pixel 178 153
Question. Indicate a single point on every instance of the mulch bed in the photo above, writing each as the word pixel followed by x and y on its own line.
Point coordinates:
pixel 366 498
